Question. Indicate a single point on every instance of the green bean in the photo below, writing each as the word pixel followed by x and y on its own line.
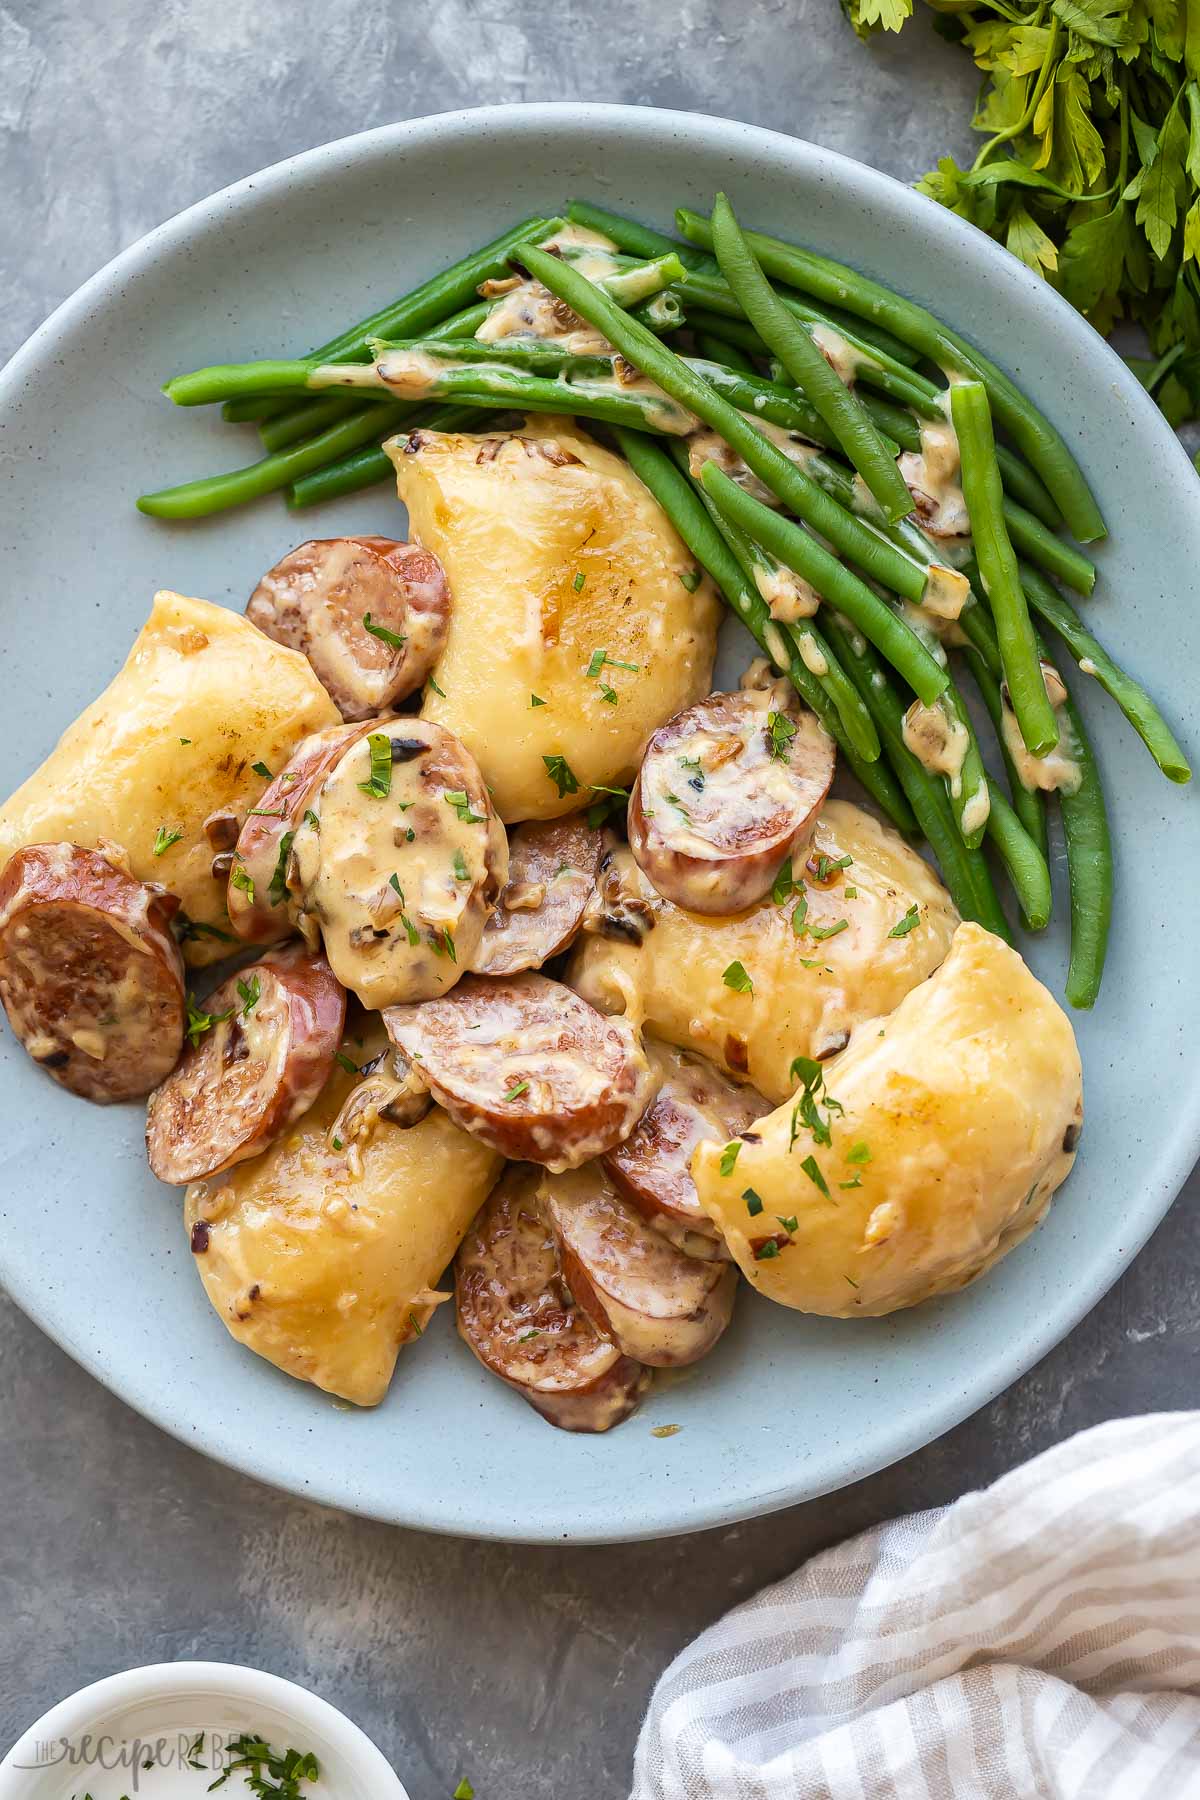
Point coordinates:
pixel 430 302
pixel 1027 488
pixel 703 531
pixel 834 283
pixel 833 581
pixel 998 568
pixel 660 313
pixel 644 351
pixel 1026 865
pixel 1028 535
pixel 964 871
pixel 629 286
pixel 815 653
pixel 1028 803
pixel 733 331
pixel 368 467
pixel 722 350
pixel 894 422
pixel 634 237
pixel 1095 661
pixel 792 343
pixel 1089 868
pixel 217 493
pixel 871 365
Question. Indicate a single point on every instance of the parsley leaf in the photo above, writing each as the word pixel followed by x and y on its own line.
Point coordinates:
pixel 729 1156
pixel 562 775
pixel 903 926
pixel 735 977
pixel 394 639
pixel 250 993
pixel 163 839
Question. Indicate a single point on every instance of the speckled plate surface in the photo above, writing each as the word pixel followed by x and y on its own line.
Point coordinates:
pixel 786 1408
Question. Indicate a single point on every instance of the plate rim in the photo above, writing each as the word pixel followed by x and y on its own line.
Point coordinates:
pixel 924 1421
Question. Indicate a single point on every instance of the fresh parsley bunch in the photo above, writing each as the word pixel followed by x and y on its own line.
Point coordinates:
pixel 1091 168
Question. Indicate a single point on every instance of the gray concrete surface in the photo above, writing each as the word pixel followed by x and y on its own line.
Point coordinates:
pixel 527 1669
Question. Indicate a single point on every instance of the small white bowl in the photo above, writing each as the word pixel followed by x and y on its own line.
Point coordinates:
pixel 97 1740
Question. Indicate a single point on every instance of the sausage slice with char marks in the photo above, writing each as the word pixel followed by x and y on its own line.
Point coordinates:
pixel 322 595
pixel 258 900
pixel 278 1024
pixel 695 1102
pixel 397 862
pixel 663 1308
pixel 727 790
pixel 90 976
pixel 528 1066
pixel 519 1319
pixel 552 870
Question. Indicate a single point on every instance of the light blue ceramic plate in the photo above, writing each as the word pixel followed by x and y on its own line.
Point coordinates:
pixel 787 1407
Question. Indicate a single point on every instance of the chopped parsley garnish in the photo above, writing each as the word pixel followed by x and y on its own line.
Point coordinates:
pixel 278 889
pixel 310 818
pixel 536 700
pixel 464 1790
pixel 186 929
pixel 579 580
pixel 430 682
pixel 851 893
pixel 338 1144
pixel 735 977
pixel 753 1201
pixel 461 871
pixel 856 1183
pixel 691 580
pixel 789 1225
pixel 260 768
pixel 254 1757
pixel 413 935
pixel 265 812
pixel 858 1153
pixel 821 932
pixel 607 694
pixel 185 740
pixel 345 1062
pixel 811 1169
pixel 193 1752
pixel 457 798
pixel 826 866
pixel 250 993
pixel 766 1250
pixel 903 926
pixel 562 775
pixel 780 732
pixel 514 1093
pixel 380 784
pixel 800 912
pixel 242 879
pixel 601 659
pixel 601 810
pixel 199 1022
pixel 416 1324
pixel 852 1281
pixel 524 1339
pixel 443 944
pixel 409 835
pixel 729 1156
pixel 677 803
pixel 784 884
pixel 394 883
pixel 163 839
pixel 807 1070
pixel 393 639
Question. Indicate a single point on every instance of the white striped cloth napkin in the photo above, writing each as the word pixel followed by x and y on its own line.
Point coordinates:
pixel 1040 1638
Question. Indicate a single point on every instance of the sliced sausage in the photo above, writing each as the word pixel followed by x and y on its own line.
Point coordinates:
pixel 661 1307
pixel 258 897
pixel 261 1063
pixel 397 861
pixel 518 1317
pixel 370 613
pixel 727 790
pixel 90 975
pixel 695 1102
pixel 528 1066
pixel 552 870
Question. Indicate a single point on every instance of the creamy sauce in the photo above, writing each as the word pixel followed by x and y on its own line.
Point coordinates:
pixel 811 655
pixel 945 593
pixel 1056 772
pixel 977 810
pixel 842 357
pixel 932 477
pixel 531 310
pixel 938 740
pixel 706 446
pixel 447 860
pixel 788 596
